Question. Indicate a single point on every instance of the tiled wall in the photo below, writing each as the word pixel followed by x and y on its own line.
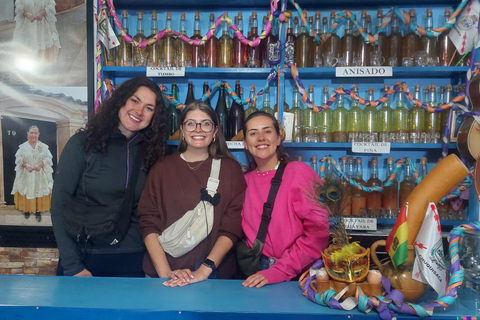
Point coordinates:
pixel 28 261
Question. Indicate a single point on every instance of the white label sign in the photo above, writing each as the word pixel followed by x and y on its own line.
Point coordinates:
pixel 360 223
pixel 235 144
pixel 363 72
pixel 166 72
pixel 371 147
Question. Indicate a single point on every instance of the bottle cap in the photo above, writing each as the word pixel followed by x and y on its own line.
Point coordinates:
pixel 325 89
pixel 154 15
pixel 212 17
pixel 240 15
pixel 182 16
pixel 169 16
pixel 310 88
pixel 140 15
pixel 125 14
pixel 317 15
pixel 197 15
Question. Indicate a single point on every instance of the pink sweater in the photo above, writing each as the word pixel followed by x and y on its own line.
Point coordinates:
pixel 298 231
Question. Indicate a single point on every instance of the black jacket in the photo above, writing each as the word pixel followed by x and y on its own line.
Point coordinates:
pixel 101 179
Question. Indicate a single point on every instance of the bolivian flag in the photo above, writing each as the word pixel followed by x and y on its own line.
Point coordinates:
pixel 396 244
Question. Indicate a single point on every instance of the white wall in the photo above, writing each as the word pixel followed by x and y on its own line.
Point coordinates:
pixel 6 13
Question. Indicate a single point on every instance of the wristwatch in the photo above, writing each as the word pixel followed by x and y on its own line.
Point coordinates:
pixel 210 264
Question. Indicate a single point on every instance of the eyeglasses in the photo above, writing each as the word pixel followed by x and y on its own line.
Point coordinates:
pixel 206 125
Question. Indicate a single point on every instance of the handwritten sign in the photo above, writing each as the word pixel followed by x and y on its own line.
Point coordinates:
pixel 166 72
pixel 235 144
pixel 363 72
pixel 360 223
pixel 371 147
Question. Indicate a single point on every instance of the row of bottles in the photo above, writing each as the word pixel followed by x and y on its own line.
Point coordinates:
pixel 393 49
pixel 385 204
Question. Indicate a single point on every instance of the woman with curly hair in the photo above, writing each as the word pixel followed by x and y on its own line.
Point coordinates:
pixel 128 134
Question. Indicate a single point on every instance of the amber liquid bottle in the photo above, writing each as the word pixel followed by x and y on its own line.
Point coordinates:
pixel 390 193
pixel 411 41
pixel 407 185
pixel 374 198
pixel 332 45
pixel 212 47
pixel 236 116
pixel 363 49
pixel 303 49
pixel 348 44
pixel 393 56
pixel 125 49
pixel 184 49
pixel 324 120
pixel 109 55
pixel 169 44
pixel 198 52
pixel 225 44
pixel 429 44
pixel 238 48
pixel 139 54
pixel 317 45
pixel 359 197
pixel 290 43
pixel 345 187
pixel 254 54
pixel 445 47
pixel 339 124
pixel 381 46
pixel 154 49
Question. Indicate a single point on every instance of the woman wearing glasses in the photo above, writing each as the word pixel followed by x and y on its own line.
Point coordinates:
pixel 174 186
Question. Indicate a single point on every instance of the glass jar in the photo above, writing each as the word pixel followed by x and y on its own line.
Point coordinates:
pixel 470 261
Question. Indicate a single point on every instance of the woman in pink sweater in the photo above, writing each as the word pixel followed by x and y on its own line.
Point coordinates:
pixel 298 231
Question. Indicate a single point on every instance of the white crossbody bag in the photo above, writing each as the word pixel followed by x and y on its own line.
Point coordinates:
pixel 195 225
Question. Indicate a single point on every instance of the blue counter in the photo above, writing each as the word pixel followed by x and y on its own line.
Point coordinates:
pixel 42 297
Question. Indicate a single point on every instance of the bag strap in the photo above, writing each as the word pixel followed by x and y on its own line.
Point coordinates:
pixel 213 181
pixel 268 206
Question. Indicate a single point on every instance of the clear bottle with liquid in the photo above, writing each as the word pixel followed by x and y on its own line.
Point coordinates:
pixel 317 45
pixel 374 198
pixel 314 165
pixel 411 41
pixel 390 193
pixel 139 54
pixel 394 50
pixel 332 46
pixel 125 49
pixel 359 197
pixel 310 120
pixel 385 120
pixel 339 124
pixel 252 106
pixel 303 48
pixel 212 50
pixel 169 44
pixel 225 44
pixel 429 43
pixel 355 120
pixel 445 47
pixel 407 185
pixel 184 49
pixel 400 118
pixel 347 44
pixel 363 49
pixel 254 54
pixel 433 122
pixel 416 120
pixel 239 49
pixel 198 52
pixel 154 49
pixel 324 120
pixel 297 111
pixel 266 102
pixel 371 119
pixel 381 46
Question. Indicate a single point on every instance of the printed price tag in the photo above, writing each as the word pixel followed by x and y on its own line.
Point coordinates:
pixel 371 147
pixel 235 144
pixel 363 72
pixel 166 72
pixel 360 223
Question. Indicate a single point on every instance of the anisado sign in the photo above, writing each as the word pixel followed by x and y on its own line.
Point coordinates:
pixel 363 72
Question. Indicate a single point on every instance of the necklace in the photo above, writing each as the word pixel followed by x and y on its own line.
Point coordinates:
pixel 264 173
pixel 194 168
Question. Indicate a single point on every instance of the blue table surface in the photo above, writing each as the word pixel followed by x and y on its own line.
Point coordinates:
pixel 48 297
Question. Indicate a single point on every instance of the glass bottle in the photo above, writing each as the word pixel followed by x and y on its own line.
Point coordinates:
pixel 359 197
pixel 310 120
pixel 252 106
pixel 169 44
pixel 374 198
pixel 254 54
pixel 198 52
pixel 153 50
pixel 347 44
pixel 393 56
pixel 125 49
pixel 445 47
pixel 371 119
pixel 225 44
pixel 446 113
pixel 400 118
pixel 324 120
pixel 272 47
pixel 355 120
pixel 212 47
pixel 407 185
pixel 266 102
pixel 329 172
pixel 314 165
pixel 385 120
pixel 109 55
pixel 190 96
pixel 381 46
pixel 332 46
pixel 184 49
pixel 411 41
pixel 433 121
pixel 205 90
pixel 317 45
pixel 286 107
pixel 345 187
pixel 290 42
pixel 303 48
pixel 416 120
pixel 297 116
pixel 239 49
pixel 221 110
pixel 339 124
pixel 390 193
pixel 173 113
pixel 139 54
pixel 429 43
pixel 363 49
pixel 236 116
pixel 296 27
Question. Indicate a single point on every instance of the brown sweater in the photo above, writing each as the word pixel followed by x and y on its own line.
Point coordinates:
pixel 172 189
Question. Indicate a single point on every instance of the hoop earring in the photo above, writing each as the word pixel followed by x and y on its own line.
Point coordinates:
pixel 213 139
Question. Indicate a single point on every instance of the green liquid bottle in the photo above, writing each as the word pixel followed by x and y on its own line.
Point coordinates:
pixel 433 122
pixel 416 120
pixel 339 124
pixel 385 120
pixel 297 135
pixel 310 120
pixel 371 119
pixel 252 105
pixel 266 102
pixel 355 120
pixel 400 119
pixel 324 120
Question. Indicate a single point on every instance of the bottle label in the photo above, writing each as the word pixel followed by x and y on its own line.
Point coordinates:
pixel 360 223
pixel 363 72
pixel 371 147
pixel 165 71
pixel 289 52
pixel 274 53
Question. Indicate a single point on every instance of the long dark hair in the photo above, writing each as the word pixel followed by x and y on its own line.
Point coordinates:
pixel 217 148
pixel 281 155
pixel 105 122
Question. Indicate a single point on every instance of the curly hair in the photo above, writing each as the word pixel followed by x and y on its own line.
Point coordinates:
pixel 281 155
pixel 217 148
pixel 105 122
